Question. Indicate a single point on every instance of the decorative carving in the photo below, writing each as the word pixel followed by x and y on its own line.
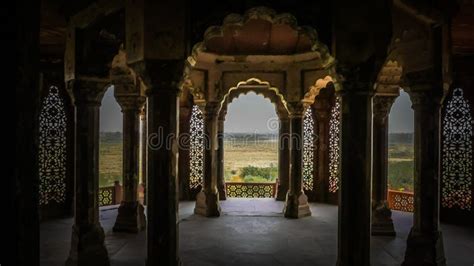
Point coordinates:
pixel 314 90
pixel 456 190
pixel 308 150
pixel 259 87
pixel 106 196
pixel 261 31
pixel 88 90
pixel 381 107
pixel 401 201
pixel 334 146
pixel 52 149
pixel 250 190
pixel 197 148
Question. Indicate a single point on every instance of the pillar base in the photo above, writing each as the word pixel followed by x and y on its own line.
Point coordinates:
pixel 296 206
pixel 382 223
pixel 207 204
pixel 130 218
pixel 87 246
pixel 281 193
pixel 424 249
pixel 222 194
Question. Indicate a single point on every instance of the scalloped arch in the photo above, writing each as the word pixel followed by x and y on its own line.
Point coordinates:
pixel 259 87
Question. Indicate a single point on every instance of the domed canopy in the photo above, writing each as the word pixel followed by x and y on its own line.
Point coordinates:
pixel 260 31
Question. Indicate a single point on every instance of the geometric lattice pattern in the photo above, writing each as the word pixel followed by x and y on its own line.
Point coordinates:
pixel 334 146
pixel 456 189
pixel 308 150
pixel 250 190
pixel 400 201
pixel 196 148
pixel 52 149
pixel 106 196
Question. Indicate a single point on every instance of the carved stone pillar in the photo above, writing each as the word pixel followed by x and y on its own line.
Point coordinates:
pixel 355 182
pixel 283 157
pixel 87 243
pixel 322 113
pixel 131 216
pixel 296 205
pixel 207 200
pixel 184 156
pixel 144 150
pixel 162 156
pixel 220 156
pixel 382 223
pixel 425 241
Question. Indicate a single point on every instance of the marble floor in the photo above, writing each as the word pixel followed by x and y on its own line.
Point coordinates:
pixel 253 232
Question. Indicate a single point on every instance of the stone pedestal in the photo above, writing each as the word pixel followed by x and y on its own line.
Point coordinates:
pixel 283 158
pixel 131 216
pixel 425 242
pixel 207 200
pixel 206 204
pixel 87 246
pixel 382 223
pixel 355 182
pixel 296 205
pixel 87 242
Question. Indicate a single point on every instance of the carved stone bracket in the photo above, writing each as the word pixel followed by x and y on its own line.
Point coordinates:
pixel 87 90
pixel 381 107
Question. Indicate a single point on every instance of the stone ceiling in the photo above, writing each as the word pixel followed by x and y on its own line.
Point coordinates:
pixel 259 31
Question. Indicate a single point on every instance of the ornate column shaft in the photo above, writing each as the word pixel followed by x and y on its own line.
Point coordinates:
pixel 296 205
pixel 144 150
pixel 207 200
pixel 87 244
pixel 425 241
pixel 184 148
pixel 382 223
pixel 355 181
pixel 131 216
pixel 162 200
pixel 283 157
pixel 220 156
pixel 322 111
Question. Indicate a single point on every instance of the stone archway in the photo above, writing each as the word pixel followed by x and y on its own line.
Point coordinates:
pixel 259 46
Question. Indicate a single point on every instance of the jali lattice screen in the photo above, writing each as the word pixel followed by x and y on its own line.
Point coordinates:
pixel 456 189
pixel 197 148
pixel 52 149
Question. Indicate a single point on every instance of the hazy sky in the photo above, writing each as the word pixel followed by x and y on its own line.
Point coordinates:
pixel 253 113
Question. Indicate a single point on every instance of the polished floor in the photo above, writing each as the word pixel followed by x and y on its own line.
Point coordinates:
pixel 253 232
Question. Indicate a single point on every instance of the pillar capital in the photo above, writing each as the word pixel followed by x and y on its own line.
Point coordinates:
pixel 88 90
pixel 159 75
pixel 296 109
pixel 382 106
pixel 422 99
pixel 129 92
pixel 210 110
pixel 132 103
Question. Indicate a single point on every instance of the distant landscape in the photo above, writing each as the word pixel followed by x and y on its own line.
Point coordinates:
pixel 254 158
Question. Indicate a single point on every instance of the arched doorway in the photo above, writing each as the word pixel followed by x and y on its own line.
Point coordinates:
pixel 250 147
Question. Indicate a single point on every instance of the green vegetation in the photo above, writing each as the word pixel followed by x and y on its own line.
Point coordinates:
pixel 255 159
pixel 250 158
pixel 110 158
pixel 400 162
